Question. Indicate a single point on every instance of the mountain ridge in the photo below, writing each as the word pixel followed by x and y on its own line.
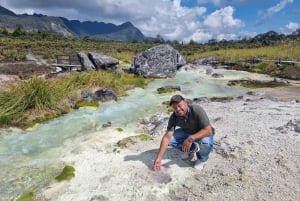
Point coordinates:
pixel 126 32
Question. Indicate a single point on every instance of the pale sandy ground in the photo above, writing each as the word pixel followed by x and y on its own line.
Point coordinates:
pixel 256 157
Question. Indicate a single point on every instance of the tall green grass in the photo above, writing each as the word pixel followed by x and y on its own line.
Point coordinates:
pixel 38 95
pixel 289 50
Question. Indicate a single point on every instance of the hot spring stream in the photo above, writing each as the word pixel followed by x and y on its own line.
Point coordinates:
pixel 30 159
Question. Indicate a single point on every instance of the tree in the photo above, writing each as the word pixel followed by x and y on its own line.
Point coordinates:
pixel 19 31
pixel 192 42
pixel 4 32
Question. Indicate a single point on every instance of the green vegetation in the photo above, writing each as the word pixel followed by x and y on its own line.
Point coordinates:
pixel 66 174
pixel 120 129
pixel 32 100
pixel 166 90
pixel 133 140
pixel 289 50
pixel 27 196
pixel 83 103
pixel 40 120
pixel 144 137
pixel 14 46
pixel 256 84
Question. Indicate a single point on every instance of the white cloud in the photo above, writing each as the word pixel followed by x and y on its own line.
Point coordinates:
pixel 293 26
pixel 215 2
pixel 222 20
pixel 199 36
pixel 218 25
pixel 169 19
pixel 290 27
pixel 266 15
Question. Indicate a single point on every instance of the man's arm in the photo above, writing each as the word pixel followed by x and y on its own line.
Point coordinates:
pixel 204 132
pixel 162 149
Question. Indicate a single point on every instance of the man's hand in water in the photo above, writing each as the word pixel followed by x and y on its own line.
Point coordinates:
pixel 157 165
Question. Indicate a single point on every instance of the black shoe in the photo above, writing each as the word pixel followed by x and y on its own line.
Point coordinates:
pixel 195 147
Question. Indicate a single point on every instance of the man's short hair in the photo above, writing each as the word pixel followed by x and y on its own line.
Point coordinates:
pixel 176 99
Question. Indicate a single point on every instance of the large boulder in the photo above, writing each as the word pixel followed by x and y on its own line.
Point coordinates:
pixel 85 62
pixel 158 62
pixel 103 62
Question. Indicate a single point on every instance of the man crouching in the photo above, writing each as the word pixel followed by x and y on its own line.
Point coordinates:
pixel 195 135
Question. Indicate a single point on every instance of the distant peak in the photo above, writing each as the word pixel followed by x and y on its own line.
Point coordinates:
pixel 4 11
pixel 127 24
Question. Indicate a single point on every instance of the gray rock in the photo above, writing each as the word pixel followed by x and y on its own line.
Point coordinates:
pixel 209 71
pixel 280 80
pixel 85 62
pixel 290 125
pixel 156 125
pixel 103 61
pixel 106 94
pixel 87 95
pixel 201 99
pixel 99 198
pixel 158 62
pixel 217 75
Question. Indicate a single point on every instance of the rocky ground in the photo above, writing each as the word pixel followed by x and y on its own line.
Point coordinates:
pixel 24 69
pixel 256 157
pixel 11 73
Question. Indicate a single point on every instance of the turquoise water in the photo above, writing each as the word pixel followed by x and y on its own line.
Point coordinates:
pixel 30 159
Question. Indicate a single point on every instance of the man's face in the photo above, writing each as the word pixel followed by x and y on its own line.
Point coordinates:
pixel 180 108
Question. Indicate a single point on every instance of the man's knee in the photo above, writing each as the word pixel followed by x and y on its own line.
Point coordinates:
pixel 205 148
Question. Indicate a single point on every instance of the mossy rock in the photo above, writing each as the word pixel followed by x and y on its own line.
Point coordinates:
pixel 187 83
pixel 144 137
pixel 168 89
pixel 84 103
pixel 66 110
pixel 253 84
pixel 126 142
pixel 222 98
pixel 120 129
pixel 67 173
pixel 160 91
pixel 27 196
pixel 41 120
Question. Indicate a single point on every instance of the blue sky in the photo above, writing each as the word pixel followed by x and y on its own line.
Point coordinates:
pixel 182 20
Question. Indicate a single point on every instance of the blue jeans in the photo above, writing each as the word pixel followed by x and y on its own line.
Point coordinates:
pixel 206 143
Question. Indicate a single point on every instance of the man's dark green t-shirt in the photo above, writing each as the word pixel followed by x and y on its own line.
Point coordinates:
pixel 196 120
